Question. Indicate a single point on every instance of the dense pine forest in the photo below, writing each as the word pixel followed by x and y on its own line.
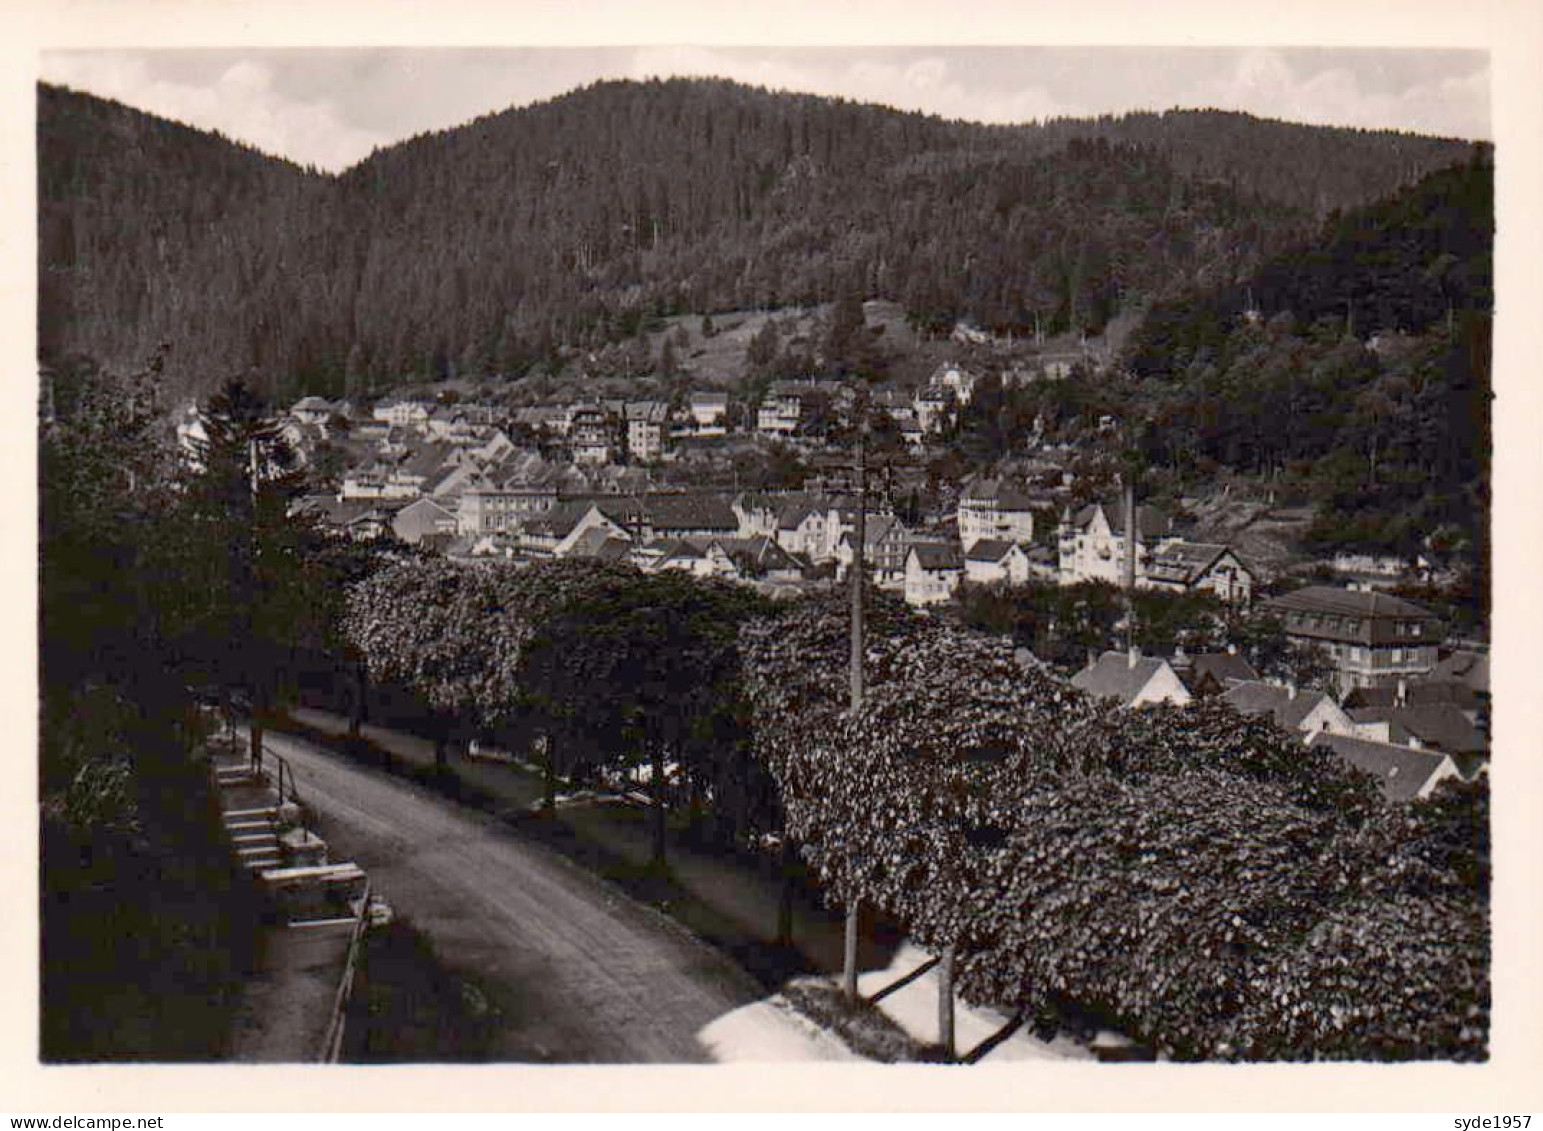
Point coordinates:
pixel 485 248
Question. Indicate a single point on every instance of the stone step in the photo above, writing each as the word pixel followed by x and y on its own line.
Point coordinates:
pixel 249 826
pixel 263 862
pixel 256 836
pixel 316 891
pixel 268 811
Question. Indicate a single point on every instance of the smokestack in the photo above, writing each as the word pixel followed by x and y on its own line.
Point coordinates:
pixel 1130 536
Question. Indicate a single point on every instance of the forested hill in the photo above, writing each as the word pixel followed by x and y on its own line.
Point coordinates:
pixel 480 248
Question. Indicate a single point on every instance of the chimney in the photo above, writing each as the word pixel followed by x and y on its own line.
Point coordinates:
pixel 1092 657
pixel 1232 649
pixel 1401 696
pixel 1291 689
pixel 1135 654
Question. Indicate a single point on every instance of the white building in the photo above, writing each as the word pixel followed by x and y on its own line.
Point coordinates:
pixel 992 509
pixel 1092 542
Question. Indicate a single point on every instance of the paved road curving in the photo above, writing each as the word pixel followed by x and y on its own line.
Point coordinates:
pixel 581 972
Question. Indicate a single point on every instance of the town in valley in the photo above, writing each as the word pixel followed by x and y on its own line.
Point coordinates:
pixel 685 572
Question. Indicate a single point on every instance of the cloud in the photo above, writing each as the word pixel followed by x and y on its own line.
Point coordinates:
pixel 1265 82
pixel 927 83
pixel 241 102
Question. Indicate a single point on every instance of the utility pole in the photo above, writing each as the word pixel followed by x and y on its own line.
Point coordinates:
pixel 1130 563
pixel 859 536
pixel 255 730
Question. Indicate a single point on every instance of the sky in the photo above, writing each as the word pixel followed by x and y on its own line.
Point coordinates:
pixel 329 107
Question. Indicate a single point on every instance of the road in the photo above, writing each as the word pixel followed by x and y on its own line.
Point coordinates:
pixel 581 973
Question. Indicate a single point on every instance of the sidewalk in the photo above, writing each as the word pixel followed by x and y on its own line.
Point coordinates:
pixel 743 897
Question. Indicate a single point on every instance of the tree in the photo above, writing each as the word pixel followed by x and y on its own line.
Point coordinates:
pixel 245 600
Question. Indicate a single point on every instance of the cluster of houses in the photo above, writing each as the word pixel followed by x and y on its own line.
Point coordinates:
pixel 1396 707
pixel 449 477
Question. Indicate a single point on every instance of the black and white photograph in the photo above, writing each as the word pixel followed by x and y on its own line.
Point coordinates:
pixel 960 558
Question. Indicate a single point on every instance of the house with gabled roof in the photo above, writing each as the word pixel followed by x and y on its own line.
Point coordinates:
pixel 1192 567
pixel 994 508
pixel 1469 668
pixel 599 541
pixel 1438 726
pixel 590 518
pixel 933 571
pixel 1420 692
pixel 886 543
pixel 1293 709
pixel 1130 679
pixel 991 560
pixel 1404 773
pixel 759 557
pixel 757 513
pixel 801 525
pixel 1092 542
pixel 1208 674
pixel 688 514
pixel 423 517
pixel 1373 639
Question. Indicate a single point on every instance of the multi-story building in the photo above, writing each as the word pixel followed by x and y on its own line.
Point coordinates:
pixel 645 429
pixel 780 409
pixel 488 508
pixel 1092 542
pixel 992 509
pixel 1373 639
pixel 589 434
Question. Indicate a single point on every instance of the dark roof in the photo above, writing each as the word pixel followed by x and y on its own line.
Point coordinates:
pixel 1185 562
pixel 1440 725
pixel 682 548
pixel 936 555
pixel 1288 710
pixel 1223 667
pixel 1324 612
pixel 756 555
pixel 344 512
pixel 594 543
pixel 690 512
pixel 651 412
pixel 1401 771
pixel 1006 496
pixel 1150 521
pixel 1351 602
pixel 990 550
pixel 1471 668
pixel 1113 676
pixel 1416 691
